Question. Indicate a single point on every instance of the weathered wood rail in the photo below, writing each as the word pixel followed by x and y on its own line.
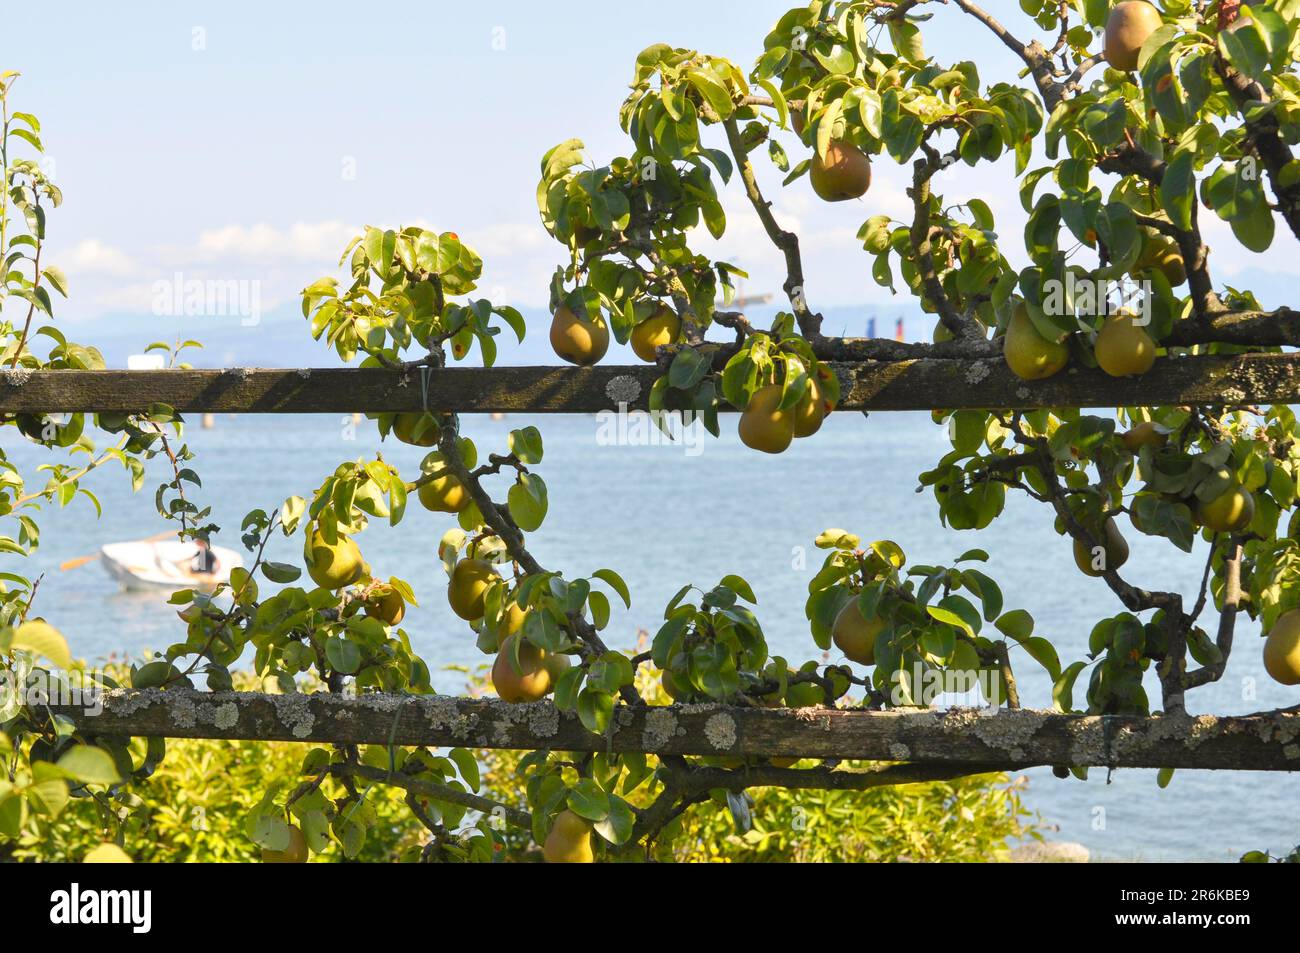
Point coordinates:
pixel 868 385
pixel 1267 741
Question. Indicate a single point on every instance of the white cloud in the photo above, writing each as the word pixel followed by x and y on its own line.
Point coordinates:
pixel 514 239
pixel 518 261
pixel 92 256
pixel 302 241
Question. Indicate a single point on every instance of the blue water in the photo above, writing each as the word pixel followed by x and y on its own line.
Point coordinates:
pixel 664 517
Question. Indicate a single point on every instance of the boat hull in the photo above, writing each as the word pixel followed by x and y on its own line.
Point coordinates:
pixel 154 566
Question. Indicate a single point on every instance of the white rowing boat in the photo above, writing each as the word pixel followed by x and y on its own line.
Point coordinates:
pixel 146 564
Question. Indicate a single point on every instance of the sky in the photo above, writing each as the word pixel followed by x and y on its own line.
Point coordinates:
pixel 248 142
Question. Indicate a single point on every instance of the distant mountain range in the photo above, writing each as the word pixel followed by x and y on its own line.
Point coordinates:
pixel 282 338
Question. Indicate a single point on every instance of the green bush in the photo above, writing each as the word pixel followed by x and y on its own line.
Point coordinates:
pixel 194 808
pixel 969 819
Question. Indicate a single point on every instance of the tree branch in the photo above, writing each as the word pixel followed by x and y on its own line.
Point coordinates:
pixel 1232 594
pixel 963 327
pixel 438 792
pixel 786 242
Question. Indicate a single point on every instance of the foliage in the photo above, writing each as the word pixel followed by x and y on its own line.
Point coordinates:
pixel 195 808
pixel 966 820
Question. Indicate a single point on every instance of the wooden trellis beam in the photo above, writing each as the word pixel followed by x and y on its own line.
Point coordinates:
pixel 1263 742
pixel 868 385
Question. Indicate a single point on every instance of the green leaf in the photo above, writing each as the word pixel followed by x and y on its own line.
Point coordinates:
pixel 615 582
pixel 713 90
pixel 1016 624
pixel 1245 48
pixel 594 709
pixel 948 617
pixel 58 281
pixel 687 369
pixel 1235 193
pixel 89 765
pixel 906 37
pixel 874 234
pixel 343 655
pixel 741 815
pixel 586 799
pixel 986 589
pixel 740 587
pixel 526 444
pixel 837 539
pixel 599 604
pixel 902 130
pixel 280 572
pixel 1063 687
pixel 49 797
pixel 870 111
pixel 1044 653
pixel 665 637
pixel 616 827
pixel 1178 188
pixel 778 101
pixel 269 831
pixel 41 638
pixel 467 765
pixel 107 854
pixel 527 501
pixel 964 610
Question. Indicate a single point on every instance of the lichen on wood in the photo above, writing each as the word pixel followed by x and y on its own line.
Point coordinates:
pixel 997 739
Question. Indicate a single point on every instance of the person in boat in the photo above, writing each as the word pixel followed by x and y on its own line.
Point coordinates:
pixel 204 562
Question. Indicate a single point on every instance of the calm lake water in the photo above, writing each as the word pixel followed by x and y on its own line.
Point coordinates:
pixel 666 515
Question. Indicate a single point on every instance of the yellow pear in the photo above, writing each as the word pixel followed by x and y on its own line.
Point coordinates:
pixel 1142 435
pixel 763 425
pixel 385 604
pixel 1229 512
pixel 468 586
pixel 532 682
pixel 1161 251
pixel 557 664
pixel 404 429
pixel 584 234
pixel 569 841
pixel 444 494
pixel 1282 649
pixel 671 686
pixel 845 172
pixel 295 853
pixel 941 333
pixel 810 411
pixel 512 620
pixel 1170 262
pixel 333 566
pixel 797 121
pixel 577 340
pixel 660 328
pixel 1123 347
pixel 1127 28
pixel 1114 551
pixel 855 635
pixel 1031 356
